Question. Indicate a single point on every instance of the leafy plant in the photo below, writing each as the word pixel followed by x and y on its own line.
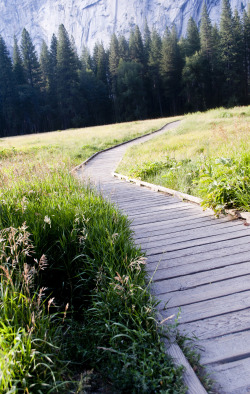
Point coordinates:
pixel 225 183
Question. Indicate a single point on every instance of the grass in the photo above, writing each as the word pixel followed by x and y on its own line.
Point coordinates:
pixel 207 156
pixel 76 145
pixel 74 303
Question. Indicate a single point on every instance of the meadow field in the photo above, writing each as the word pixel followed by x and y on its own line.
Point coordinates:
pixel 208 156
pixel 76 313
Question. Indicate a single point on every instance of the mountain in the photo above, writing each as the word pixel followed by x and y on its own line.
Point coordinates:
pixel 89 21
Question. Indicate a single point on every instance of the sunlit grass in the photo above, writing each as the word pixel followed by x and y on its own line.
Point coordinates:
pixel 215 132
pixel 75 145
pixel 200 140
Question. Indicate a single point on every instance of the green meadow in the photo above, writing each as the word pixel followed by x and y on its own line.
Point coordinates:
pixel 208 156
pixel 76 313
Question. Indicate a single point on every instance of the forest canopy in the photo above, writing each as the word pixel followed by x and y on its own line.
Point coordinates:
pixel 146 76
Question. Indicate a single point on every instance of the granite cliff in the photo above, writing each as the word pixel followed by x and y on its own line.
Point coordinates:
pixel 89 21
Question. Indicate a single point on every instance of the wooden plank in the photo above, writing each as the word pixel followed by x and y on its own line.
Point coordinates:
pixel 207 232
pixel 217 326
pixel 172 259
pixel 185 250
pixel 189 377
pixel 202 278
pixel 225 349
pixel 132 199
pixel 179 244
pixel 155 218
pixel 210 228
pixel 175 271
pixel 172 221
pixel 144 199
pixel 232 378
pixel 210 308
pixel 191 296
pixel 194 238
pixel 158 209
pixel 172 228
pixel 144 205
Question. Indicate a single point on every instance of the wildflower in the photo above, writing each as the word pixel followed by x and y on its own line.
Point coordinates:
pixel 47 220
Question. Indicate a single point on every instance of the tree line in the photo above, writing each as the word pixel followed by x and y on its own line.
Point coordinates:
pixel 142 77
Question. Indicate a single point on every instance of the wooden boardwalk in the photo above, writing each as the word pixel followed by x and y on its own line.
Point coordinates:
pixel 202 266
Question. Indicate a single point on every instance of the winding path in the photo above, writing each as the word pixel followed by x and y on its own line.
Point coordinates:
pixel 202 265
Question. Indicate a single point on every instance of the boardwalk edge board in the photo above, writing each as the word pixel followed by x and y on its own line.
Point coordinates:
pixel 190 379
pixel 182 196
pixel 158 188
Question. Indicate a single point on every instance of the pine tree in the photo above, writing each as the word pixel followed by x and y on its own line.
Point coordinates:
pixel 170 69
pixel 85 59
pixel 216 70
pixel 53 54
pixel 146 41
pixel 7 91
pixel 114 58
pixel 195 80
pixel 45 66
pixel 131 93
pixel 246 35
pixel 154 73
pixel 95 58
pixel 67 79
pixel 30 61
pixel 193 38
pixel 101 61
pixel 226 33
pixel 136 50
pixel 206 40
pixel 123 48
pixel 52 116
pixel 238 58
pixel 18 64
pixel 74 50
pixel 231 52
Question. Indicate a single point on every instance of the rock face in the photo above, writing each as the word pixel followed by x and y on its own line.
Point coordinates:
pixel 89 21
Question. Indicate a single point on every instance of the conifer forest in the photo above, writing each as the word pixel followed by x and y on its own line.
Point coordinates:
pixel 146 76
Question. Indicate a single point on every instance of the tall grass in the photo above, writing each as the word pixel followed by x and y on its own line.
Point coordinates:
pixel 75 145
pixel 208 156
pixel 29 337
pixel 90 267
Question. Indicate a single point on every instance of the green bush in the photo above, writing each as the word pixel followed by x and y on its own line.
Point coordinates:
pixel 225 183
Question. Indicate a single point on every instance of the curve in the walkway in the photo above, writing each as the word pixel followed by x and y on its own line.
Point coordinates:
pixel 203 266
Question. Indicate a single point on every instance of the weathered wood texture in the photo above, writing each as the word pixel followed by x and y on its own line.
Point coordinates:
pixel 198 263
